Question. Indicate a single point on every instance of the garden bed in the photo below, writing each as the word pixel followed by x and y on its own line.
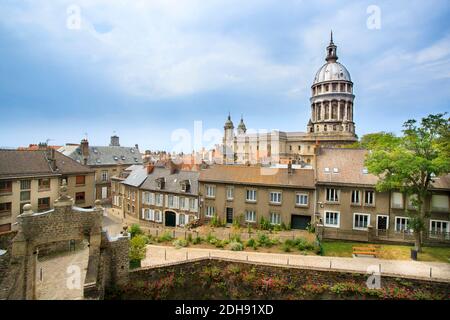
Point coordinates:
pixel 216 279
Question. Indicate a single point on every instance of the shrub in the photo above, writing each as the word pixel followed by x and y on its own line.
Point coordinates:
pixel 250 242
pixel 180 243
pixel 165 237
pixel 310 228
pixel 220 244
pixel 237 222
pixel 265 224
pixel 135 230
pixel 216 222
pixel 197 240
pixel 189 238
pixel 265 241
pixel 303 245
pixel 286 247
pixel 209 237
pixel 235 238
pixel 277 227
pixel 236 246
pixel 137 250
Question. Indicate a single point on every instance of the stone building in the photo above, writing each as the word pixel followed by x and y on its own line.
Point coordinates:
pixel 106 161
pixel 331 123
pixel 158 195
pixel 34 177
pixel 248 193
pixel 349 207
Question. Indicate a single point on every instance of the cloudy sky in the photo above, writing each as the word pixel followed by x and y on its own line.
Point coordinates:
pixel 148 69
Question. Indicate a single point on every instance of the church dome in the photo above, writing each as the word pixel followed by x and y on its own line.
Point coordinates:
pixel 331 71
pixel 229 123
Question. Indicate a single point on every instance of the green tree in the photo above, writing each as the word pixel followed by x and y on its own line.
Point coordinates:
pixel 379 139
pixel 137 248
pixel 410 162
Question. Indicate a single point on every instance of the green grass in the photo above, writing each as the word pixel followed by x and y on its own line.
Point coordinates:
pixel 394 252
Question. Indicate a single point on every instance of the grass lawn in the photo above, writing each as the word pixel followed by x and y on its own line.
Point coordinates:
pixel 394 252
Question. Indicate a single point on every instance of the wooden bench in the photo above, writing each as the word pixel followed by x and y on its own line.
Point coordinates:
pixel 369 250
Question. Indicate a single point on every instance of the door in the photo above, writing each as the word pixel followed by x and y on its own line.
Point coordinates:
pixel 300 222
pixel 170 219
pixel 229 215
pixel 382 222
pixel 104 192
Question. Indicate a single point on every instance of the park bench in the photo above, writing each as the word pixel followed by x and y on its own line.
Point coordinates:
pixel 369 250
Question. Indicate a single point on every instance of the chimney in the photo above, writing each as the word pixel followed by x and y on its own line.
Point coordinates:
pixel 84 145
pixel 114 141
pixel 136 146
pixel 50 153
pixel 290 171
pixel 150 168
pixel 171 166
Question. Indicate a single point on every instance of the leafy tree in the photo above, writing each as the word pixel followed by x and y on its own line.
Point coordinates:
pixel 135 230
pixel 379 139
pixel 137 248
pixel 410 162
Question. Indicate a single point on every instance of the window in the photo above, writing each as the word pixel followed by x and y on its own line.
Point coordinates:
pixel 251 195
pixel 159 199
pixel 361 221
pixel 250 216
pixel 397 200
pixel 275 197
pixel 25 184
pixel 25 196
pixel 301 199
pixel 43 203
pixel 412 202
pixel 44 184
pixel 332 219
pixel 211 191
pixel 79 197
pixel 193 204
pixel 181 219
pixel 210 211
pixel 5 186
pixel 171 201
pixel 332 195
pixel 80 180
pixel 439 227
pixel 369 198
pixel 182 203
pixel 401 224
pixel 439 202
pixel 275 218
pixel 356 197
pixel 158 216
pixel 105 175
pixel 230 193
pixel 5 207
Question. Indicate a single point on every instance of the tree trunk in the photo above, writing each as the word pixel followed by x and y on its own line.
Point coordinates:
pixel 418 241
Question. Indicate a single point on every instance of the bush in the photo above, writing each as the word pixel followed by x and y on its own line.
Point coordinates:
pixel 251 243
pixel 137 249
pixel 236 246
pixel 216 222
pixel 180 243
pixel 303 245
pixel 265 224
pixel 189 238
pixel 237 222
pixel 310 228
pixel 235 238
pixel 135 230
pixel 166 237
pixel 197 240
pixel 286 247
pixel 265 241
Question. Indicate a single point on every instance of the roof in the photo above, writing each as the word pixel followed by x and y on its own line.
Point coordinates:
pixel 332 71
pixel 442 182
pixel 137 175
pixel 33 147
pixel 346 166
pixel 253 175
pixel 172 181
pixel 105 155
pixel 24 163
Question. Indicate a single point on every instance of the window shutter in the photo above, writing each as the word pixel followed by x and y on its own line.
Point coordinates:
pixel 195 205
pixel 167 200
pixel 177 219
pixel 175 202
pixel 143 214
pixel 152 198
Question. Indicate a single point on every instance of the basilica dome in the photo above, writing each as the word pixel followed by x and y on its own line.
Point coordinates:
pixel 331 71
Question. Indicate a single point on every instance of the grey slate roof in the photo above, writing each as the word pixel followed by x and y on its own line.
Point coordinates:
pixel 172 181
pixel 106 155
pixel 137 175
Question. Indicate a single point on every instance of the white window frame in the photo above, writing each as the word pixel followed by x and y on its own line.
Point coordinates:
pixel 276 221
pixel 181 219
pixel 366 192
pixel 230 193
pixel 158 216
pixel 440 221
pixel 336 195
pixel 210 191
pixel 105 175
pixel 359 197
pixel 361 214
pixel 338 225
pixel 298 196
pixel 277 199
pixel 387 221
pixel 250 192
pixel 159 199
pixel 252 213
pixel 210 211
pixel 406 220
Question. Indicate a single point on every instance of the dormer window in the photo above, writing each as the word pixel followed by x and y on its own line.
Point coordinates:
pixel 365 171
pixel 335 170
pixel 185 186
pixel 123 157
pixel 116 158
pixel 132 150
pixel 327 170
pixel 160 182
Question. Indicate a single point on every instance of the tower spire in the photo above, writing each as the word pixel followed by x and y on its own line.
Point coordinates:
pixel 331 38
pixel 331 50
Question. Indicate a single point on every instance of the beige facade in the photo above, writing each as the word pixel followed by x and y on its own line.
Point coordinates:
pixel 277 204
pixel 41 192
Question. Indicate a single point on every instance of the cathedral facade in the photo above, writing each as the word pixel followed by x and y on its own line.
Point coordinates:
pixel 331 123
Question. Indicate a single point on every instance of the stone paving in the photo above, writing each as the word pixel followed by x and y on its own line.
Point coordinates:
pixel 54 282
pixel 161 255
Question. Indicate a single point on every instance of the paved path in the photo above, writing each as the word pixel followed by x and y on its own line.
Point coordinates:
pixel 161 255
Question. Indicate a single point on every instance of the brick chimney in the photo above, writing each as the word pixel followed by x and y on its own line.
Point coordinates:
pixel 171 166
pixel 84 145
pixel 50 154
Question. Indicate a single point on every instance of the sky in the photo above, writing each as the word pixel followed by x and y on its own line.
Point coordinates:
pixel 149 71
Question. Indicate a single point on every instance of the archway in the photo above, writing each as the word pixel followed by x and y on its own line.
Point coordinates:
pixel 170 219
